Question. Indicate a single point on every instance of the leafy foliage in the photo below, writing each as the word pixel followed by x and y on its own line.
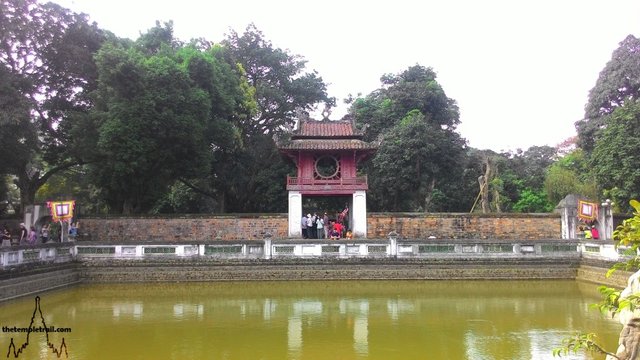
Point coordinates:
pixel 616 154
pixel 532 201
pixel 151 126
pixel 281 86
pixel 413 159
pixel 580 342
pixel 618 83
pixel 46 75
pixel 421 160
pixel 570 175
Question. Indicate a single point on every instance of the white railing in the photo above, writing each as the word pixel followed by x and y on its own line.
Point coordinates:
pixel 304 249
pixel 604 251
pixel 15 256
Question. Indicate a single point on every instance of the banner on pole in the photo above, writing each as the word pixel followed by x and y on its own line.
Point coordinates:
pixel 61 210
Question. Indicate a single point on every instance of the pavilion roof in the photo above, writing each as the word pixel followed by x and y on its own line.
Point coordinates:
pixel 323 129
pixel 328 144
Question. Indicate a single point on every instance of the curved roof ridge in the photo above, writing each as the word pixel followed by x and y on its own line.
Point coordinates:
pixel 326 128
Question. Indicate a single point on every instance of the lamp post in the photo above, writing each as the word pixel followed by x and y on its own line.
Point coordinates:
pixel 607 223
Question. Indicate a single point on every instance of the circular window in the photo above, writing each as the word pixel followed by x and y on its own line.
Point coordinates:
pixel 327 167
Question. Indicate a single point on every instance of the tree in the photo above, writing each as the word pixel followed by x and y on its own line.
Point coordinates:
pixel 414 89
pixel 47 72
pixel 532 201
pixel 618 83
pixel 570 174
pixel 281 86
pixel 421 161
pixel 414 159
pixel 152 122
pixel 616 155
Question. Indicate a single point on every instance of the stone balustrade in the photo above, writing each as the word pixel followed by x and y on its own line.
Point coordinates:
pixel 47 253
pixel 341 249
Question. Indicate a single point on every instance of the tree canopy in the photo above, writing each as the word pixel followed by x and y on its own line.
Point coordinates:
pixel 47 75
pixel 609 131
pixel 616 155
pixel 421 154
pixel 618 83
pixel 151 127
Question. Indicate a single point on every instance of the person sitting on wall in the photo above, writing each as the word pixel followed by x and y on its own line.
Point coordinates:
pixel 587 233
pixel 349 234
pixel 334 234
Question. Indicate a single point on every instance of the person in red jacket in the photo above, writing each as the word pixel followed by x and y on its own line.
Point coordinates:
pixel 338 227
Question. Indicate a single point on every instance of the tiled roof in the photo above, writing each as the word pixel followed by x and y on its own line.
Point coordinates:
pixel 325 129
pixel 326 144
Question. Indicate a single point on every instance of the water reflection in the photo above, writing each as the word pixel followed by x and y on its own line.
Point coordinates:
pixel 321 320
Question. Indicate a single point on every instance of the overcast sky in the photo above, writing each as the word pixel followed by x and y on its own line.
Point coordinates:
pixel 520 70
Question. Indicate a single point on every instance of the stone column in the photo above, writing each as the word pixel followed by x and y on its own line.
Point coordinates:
pixel 295 214
pixel 568 209
pixel 359 225
pixel 605 220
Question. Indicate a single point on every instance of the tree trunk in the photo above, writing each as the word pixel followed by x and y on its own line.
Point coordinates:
pixel 427 198
pixel 28 188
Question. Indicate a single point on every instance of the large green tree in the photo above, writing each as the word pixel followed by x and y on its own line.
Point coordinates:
pixel 152 124
pixel 46 55
pixel 616 155
pixel 617 83
pixel 282 87
pixel 608 132
pixel 414 160
pixel 421 161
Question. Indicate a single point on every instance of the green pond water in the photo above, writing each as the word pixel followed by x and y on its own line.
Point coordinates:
pixel 310 320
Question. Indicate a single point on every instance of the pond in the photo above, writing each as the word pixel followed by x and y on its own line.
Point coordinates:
pixel 308 320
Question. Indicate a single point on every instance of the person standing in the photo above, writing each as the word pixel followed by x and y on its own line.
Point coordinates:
pixel 325 221
pixel 303 224
pixel 314 232
pixel 320 227
pixel 23 234
pixel 73 231
pixel 6 236
pixel 33 236
pixel 44 233
pixel 309 226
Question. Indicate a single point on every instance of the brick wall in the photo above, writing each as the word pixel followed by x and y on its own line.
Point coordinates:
pixel 254 226
pixel 210 227
pixel 465 226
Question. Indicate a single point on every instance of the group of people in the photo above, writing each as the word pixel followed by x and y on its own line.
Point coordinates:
pixel 29 236
pixel 25 236
pixel 590 231
pixel 321 227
